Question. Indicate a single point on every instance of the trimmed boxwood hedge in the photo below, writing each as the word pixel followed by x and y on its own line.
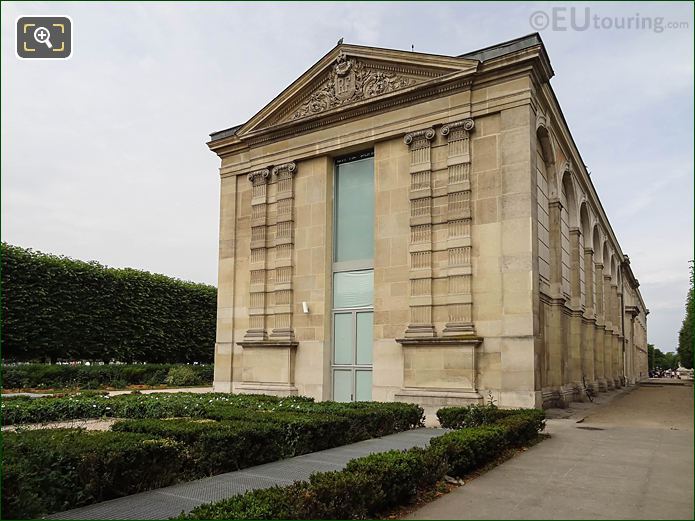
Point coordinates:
pixel 36 376
pixel 371 485
pixel 57 469
pixel 476 415
pixel 214 447
pixel 219 433
pixel 59 308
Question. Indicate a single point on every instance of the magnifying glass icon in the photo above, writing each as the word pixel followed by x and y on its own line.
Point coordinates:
pixel 43 35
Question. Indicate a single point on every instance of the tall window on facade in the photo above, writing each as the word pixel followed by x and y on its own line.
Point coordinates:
pixel 353 278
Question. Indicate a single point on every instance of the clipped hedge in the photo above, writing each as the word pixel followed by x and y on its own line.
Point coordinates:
pixel 371 485
pixel 59 308
pixel 215 447
pixel 367 419
pixel 477 415
pixel 36 376
pixel 209 434
pixel 57 469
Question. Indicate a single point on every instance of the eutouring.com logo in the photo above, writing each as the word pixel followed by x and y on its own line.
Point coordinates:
pixel 44 37
pixel 582 19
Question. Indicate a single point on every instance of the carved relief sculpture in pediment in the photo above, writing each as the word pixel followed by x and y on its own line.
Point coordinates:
pixel 349 81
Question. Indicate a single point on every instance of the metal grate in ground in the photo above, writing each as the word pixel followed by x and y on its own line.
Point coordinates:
pixel 170 501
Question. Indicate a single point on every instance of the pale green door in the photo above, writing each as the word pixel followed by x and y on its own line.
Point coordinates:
pixel 352 355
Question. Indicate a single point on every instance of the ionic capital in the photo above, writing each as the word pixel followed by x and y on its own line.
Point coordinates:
pixel 422 137
pixel 285 169
pixel 259 176
pixel 465 124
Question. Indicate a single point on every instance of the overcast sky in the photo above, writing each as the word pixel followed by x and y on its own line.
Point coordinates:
pixel 104 156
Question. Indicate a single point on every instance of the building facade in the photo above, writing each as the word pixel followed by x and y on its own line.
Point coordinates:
pixel 413 227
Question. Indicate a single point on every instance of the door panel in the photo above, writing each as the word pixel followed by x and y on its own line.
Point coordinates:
pixel 365 338
pixel 342 339
pixel 342 385
pixel 363 386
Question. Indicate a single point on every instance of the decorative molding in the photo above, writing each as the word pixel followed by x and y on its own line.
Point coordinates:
pixel 259 176
pixel 258 256
pixel 268 343
pixel 285 169
pixel 459 226
pixel 350 80
pixel 465 124
pixel 420 247
pixel 425 134
pixel 468 340
pixel 283 294
pixel 270 257
pixel 279 130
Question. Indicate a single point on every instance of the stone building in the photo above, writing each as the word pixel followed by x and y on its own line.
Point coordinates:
pixel 407 226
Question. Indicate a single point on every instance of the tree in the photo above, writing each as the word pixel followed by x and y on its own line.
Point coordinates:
pixel 685 337
pixel 650 356
pixel 659 360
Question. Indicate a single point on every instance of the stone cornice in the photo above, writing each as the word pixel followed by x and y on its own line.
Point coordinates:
pixel 463 340
pixel 268 343
pixel 361 109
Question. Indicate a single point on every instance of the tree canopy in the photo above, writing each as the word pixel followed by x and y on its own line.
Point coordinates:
pixel 685 337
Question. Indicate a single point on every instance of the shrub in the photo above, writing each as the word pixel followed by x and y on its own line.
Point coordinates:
pixel 469 416
pixel 182 376
pixel 215 447
pixel 399 474
pixel 269 503
pixel 466 449
pixel 522 426
pixel 51 470
pixel 35 376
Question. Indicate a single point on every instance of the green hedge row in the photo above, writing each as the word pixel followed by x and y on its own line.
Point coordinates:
pixel 477 415
pixel 37 376
pixel 255 429
pixel 59 308
pixel 367 418
pixel 57 469
pixel 371 485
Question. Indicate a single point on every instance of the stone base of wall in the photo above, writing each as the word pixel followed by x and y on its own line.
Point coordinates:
pixel 265 388
pixel 438 397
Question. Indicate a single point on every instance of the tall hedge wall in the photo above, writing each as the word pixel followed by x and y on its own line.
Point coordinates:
pixel 60 308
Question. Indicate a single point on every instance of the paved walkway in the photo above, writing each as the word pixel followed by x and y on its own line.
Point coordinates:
pixel 631 458
pixel 168 502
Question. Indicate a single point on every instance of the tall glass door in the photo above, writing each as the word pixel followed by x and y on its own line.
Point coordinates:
pixel 352 355
pixel 353 278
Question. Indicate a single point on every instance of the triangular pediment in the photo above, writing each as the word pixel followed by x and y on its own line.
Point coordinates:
pixel 352 75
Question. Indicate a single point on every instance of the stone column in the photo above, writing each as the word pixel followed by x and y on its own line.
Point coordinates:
pixel 575 332
pixel 420 247
pixel 258 257
pixel 599 332
pixel 458 217
pixel 617 350
pixel 555 321
pixel 284 246
pixel 589 322
pixel 608 335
